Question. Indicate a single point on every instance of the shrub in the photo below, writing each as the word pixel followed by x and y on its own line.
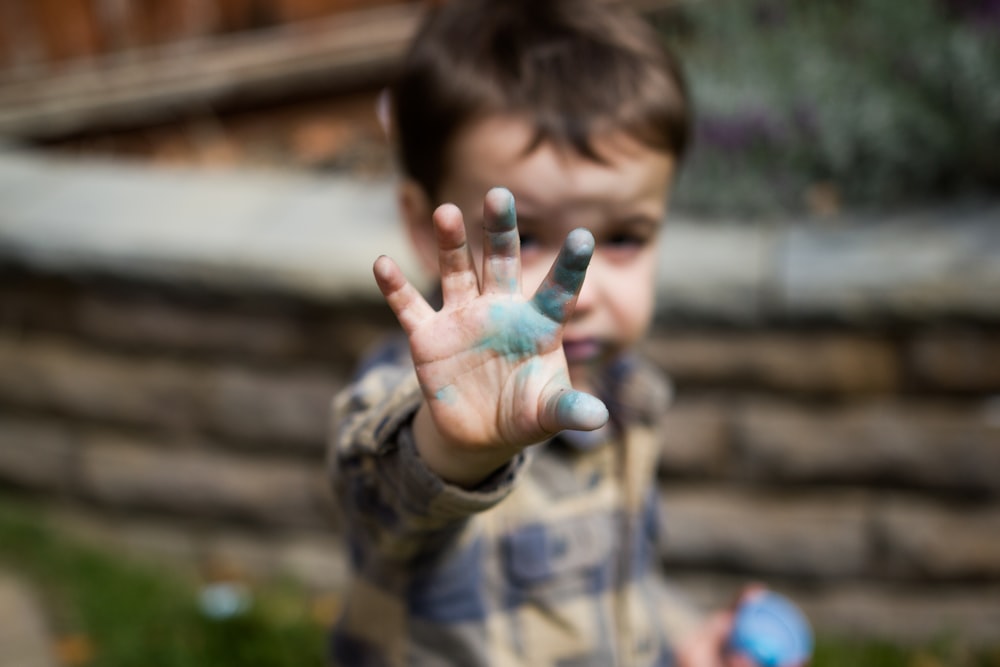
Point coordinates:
pixel 877 103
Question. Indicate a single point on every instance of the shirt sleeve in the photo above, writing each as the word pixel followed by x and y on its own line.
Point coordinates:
pixel 394 506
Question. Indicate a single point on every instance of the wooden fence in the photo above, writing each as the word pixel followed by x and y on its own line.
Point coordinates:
pixel 50 35
pixel 69 66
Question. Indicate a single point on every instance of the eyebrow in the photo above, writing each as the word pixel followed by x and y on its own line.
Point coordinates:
pixel 642 220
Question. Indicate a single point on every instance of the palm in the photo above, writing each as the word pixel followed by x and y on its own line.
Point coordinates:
pixel 490 391
pixel 490 362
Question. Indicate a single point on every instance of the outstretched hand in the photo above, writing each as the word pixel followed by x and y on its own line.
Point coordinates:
pixel 490 362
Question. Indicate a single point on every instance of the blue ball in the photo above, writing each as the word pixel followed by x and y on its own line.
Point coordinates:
pixel 771 631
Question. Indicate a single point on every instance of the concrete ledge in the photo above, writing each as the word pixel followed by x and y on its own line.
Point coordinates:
pixel 317 236
pixel 25 640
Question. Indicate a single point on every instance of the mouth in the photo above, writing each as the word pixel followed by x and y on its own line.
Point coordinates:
pixel 582 351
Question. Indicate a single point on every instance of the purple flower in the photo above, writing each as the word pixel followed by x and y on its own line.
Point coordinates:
pixel 740 131
pixel 982 13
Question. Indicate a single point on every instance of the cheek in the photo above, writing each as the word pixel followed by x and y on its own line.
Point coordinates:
pixel 635 291
pixel 534 267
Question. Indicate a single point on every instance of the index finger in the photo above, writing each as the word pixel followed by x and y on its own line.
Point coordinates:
pixel 557 294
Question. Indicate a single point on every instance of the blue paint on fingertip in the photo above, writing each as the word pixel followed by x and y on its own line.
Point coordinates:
pixel 580 242
pixel 581 411
pixel 507 213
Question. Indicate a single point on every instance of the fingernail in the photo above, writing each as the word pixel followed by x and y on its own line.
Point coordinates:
pixel 580 248
pixel 506 210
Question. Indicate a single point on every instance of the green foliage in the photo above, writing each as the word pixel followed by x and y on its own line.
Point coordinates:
pixel 132 613
pixel 886 103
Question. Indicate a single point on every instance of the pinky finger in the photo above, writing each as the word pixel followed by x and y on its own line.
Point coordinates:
pixel 406 302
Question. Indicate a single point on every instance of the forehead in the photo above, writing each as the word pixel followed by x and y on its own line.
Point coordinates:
pixel 554 179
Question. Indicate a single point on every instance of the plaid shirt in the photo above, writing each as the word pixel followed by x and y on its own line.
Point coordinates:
pixel 551 561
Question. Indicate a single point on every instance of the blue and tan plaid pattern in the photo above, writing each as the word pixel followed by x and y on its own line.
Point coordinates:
pixel 550 562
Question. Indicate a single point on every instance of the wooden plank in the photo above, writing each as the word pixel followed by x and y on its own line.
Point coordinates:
pixel 150 85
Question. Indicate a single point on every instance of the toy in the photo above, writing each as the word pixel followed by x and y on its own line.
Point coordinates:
pixel 770 630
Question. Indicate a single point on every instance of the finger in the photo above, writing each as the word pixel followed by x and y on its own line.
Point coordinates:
pixel 739 660
pixel 567 408
pixel 459 282
pixel 558 292
pixel 749 591
pixel 707 646
pixel 403 298
pixel 501 244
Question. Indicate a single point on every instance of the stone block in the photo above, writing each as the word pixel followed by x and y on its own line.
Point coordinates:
pixel 926 444
pixel 75 380
pixel 909 613
pixel 290 407
pixel 157 323
pixel 792 362
pixel 284 406
pixel 347 334
pixel 816 535
pixel 920 539
pixel 912 614
pixel 696 437
pixel 29 301
pixel 197 483
pixel 36 455
pixel 964 360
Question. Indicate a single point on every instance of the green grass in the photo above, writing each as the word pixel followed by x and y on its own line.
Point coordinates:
pixel 133 613
pixel 850 653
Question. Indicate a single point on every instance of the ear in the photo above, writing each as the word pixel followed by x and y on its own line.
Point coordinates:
pixel 416 210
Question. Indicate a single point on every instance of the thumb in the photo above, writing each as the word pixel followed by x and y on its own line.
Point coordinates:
pixel 567 408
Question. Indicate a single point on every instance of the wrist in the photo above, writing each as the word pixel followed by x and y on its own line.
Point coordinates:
pixel 456 464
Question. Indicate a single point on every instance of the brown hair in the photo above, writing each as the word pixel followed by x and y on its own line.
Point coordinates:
pixel 571 67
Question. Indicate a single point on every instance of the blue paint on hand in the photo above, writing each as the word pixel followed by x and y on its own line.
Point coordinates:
pixel 518 330
pixel 447 394
pixel 563 283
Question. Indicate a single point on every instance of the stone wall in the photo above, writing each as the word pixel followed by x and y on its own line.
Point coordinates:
pixel 857 469
pixel 849 457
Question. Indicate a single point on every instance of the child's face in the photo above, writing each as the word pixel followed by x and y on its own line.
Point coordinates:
pixel 622 202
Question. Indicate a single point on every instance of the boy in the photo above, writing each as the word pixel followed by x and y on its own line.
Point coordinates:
pixel 496 469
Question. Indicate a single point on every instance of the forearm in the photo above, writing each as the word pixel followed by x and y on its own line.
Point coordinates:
pixel 396 508
pixel 395 504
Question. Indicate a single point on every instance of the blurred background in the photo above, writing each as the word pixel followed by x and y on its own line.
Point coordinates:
pixel 191 196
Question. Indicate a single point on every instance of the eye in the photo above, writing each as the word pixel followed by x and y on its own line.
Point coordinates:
pixel 528 240
pixel 628 239
pixel 626 242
